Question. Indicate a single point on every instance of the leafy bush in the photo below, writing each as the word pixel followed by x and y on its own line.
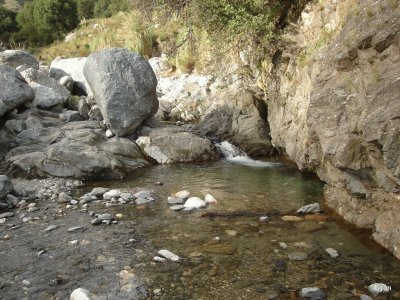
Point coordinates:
pixel 8 23
pixel 85 9
pixel 43 21
pixel 107 8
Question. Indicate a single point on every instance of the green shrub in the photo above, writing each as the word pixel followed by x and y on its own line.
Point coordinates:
pixel 85 9
pixel 8 23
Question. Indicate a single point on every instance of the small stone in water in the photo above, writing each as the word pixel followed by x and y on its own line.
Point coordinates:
pixel 119 216
pixel 283 245
pixel 26 282
pixel 159 259
pixel 177 207
pixel 96 221
pixel 332 252
pixel 7 237
pixel 73 229
pixel 142 194
pixel 365 297
pixel 74 202
pixel 195 202
pixel 298 256
pixel 50 228
pixel 2 221
pixel 111 194
pixel 182 194
pixel 107 217
pixel 33 209
pixel 41 252
pixel 175 200
pixel 313 293
pixel 209 199
pixel 6 215
pixel 379 288
pixel 169 255
pixel 80 294
pixel 74 242
pixel 231 232
pixel 310 208
pixel 291 218
pixel 280 265
pixel 263 219
pixel 157 292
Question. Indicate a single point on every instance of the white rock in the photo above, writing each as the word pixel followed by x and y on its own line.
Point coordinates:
pixel 169 255
pixel 109 134
pixel 182 194
pixel 26 282
pixel 194 202
pixel 159 259
pixel 332 252
pixel 310 208
pixel 379 288
pixel 2 220
pixel 112 194
pixel 283 245
pixel 80 294
pixel 209 199
pixel 263 219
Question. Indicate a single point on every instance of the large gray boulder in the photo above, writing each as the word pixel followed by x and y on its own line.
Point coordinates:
pixel 16 58
pixel 48 92
pixel 172 145
pixel 73 67
pixel 6 186
pixel 14 91
pixel 75 150
pixel 124 87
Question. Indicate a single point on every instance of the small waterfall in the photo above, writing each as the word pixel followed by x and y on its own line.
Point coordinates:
pixel 236 155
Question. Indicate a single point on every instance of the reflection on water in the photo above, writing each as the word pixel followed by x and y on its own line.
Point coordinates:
pixel 241 257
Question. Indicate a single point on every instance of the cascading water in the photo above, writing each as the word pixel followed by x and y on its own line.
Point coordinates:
pixel 236 155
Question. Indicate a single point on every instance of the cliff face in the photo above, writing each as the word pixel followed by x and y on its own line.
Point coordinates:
pixel 334 107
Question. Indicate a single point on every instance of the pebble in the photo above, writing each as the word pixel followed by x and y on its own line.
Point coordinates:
pixel 26 282
pixel 177 207
pixel 98 191
pixel 21 203
pixel 33 209
pixel 169 255
pixel 291 218
pixel 81 294
pixel 283 245
pixel 41 252
pixel 6 215
pixel 74 242
pixel 26 219
pixel 209 199
pixel 182 194
pixel 143 194
pixel 143 201
pixel 313 293
pixel 379 288
pixel 263 219
pixel 73 229
pixel 109 134
pixel 74 202
pixel 112 194
pixel 105 217
pixel 332 252
pixel 365 297
pixel 159 259
pixel 64 197
pixel 158 183
pixel 96 221
pixel 2 220
pixel 31 205
pixel 310 208
pixel 175 200
pixel 119 216
pixel 231 232
pixel 279 265
pixel 50 228
pixel 157 292
pixel 7 237
pixel 298 256
pixel 194 202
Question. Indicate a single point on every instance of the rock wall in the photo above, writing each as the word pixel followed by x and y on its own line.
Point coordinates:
pixel 333 91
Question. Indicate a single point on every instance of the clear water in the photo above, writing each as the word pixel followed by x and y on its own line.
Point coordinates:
pixel 251 264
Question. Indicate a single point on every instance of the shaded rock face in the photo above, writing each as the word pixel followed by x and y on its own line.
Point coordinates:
pixel 334 108
pixel 124 87
pixel 75 150
pixel 14 91
pixel 173 145
pixel 48 92
pixel 73 67
pixel 16 58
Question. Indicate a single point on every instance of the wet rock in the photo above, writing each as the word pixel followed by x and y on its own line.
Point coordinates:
pixel 128 96
pixel 332 252
pixel 144 201
pixel 175 200
pixel 132 286
pixel 81 294
pixel 6 215
pixel 231 232
pixel 112 194
pixel 64 198
pixel 50 228
pixel 310 208
pixel 106 217
pixel 15 126
pixel 298 256
pixel 159 259
pixel 169 255
pixel 182 194
pixel 313 293
pixel 224 249
pixel 209 199
pixel 194 202
pixel 176 207
pixel 143 194
pixel 279 265
pixel 379 288
pixel 33 209
pixel 15 90
pixel 263 219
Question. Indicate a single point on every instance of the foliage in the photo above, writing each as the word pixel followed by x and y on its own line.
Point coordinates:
pixel 85 9
pixel 107 8
pixel 8 23
pixel 43 21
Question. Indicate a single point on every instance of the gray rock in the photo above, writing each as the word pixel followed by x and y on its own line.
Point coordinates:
pixel 48 92
pixel 76 228
pixel 64 198
pixel 6 215
pixel 174 200
pixel 96 221
pixel 124 86
pixel 12 200
pixel 365 297
pixel 95 113
pixel 127 196
pixel 143 194
pixel 14 90
pixel 6 187
pixel 310 208
pixel 112 194
pixel 169 255
pixel 99 191
pixel 379 288
pixel 15 126
pixel 15 58
pixel 50 228
pixel 70 116
pixel 176 207
pixel 144 201
pixel 171 145
pixel 68 82
pixel 332 252
pixel 297 256
pixel 73 67
pixel 84 109
pixel 106 217
pixel 313 293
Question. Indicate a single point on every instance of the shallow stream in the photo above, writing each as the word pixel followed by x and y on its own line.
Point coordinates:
pixel 228 253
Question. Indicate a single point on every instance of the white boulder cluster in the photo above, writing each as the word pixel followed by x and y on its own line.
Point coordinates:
pixel 181 201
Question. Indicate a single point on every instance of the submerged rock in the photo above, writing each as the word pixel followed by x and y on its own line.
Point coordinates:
pixel 379 288
pixel 312 293
pixel 194 202
pixel 310 208
pixel 169 255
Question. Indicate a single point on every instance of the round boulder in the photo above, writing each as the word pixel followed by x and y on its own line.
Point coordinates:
pixel 124 87
pixel 15 58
